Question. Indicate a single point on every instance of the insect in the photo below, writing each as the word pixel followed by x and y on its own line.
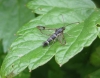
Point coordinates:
pixel 58 34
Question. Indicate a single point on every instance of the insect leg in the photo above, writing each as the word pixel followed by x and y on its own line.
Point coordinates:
pixel 44 28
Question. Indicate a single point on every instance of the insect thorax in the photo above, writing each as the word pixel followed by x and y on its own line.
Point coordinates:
pixel 60 30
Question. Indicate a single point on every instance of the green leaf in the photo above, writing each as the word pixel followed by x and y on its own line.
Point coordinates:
pixel 1 52
pixel 27 50
pixel 96 17
pixel 1 48
pixel 0 74
pixel 99 32
pixel 95 74
pixel 44 6
pixel 98 27
pixel 24 74
pixel 95 57
pixel 13 14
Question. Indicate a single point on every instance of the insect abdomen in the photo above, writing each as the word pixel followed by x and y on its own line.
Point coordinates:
pixel 45 44
pixel 52 37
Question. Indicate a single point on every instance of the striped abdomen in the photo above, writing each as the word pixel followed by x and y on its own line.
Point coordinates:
pixel 54 36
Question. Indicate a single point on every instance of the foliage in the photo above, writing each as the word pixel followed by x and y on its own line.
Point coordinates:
pixel 27 51
pixel 12 13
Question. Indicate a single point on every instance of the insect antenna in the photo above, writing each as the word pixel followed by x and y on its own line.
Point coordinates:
pixel 73 23
pixel 67 24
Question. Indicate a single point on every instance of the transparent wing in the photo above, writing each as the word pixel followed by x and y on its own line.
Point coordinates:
pixel 46 30
pixel 61 39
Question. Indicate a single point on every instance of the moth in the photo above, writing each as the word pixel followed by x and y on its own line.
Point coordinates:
pixel 58 34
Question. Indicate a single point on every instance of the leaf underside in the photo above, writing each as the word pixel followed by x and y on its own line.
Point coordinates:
pixel 27 50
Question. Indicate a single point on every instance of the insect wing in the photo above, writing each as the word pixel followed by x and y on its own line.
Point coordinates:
pixel 61 39
pixel 41 27
pixel 46 30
